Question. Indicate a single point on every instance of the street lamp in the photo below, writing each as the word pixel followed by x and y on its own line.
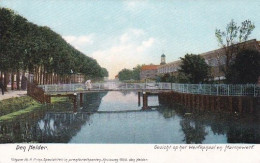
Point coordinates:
pixel 71 72
pixel 218 58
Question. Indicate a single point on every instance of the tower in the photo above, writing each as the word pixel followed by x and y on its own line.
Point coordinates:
pixel 162 59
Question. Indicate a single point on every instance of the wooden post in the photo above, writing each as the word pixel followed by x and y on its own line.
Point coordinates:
pixel 240 106
pixel 145 101
pixel 230 104
pixel 212 104
pixel 189 103
pixel 251 104
pixel 75 103
pixel 185 100
pixel 219 103
pixel 139 102
pixel 202 102
pixel 207 102
pixel 193 101
pixel 81 97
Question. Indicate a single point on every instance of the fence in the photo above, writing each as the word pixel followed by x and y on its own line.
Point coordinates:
pixel 206 89
pixel 37 93
pixel 218 89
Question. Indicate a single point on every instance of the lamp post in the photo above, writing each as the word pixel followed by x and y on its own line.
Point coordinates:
pixel 145 80
pixel 71 72
pixel 218 58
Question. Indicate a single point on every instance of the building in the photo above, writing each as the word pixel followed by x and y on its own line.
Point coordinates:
pixel 215 59
pixel 163 61
pixel 170 68
pixel 148 72
pixel 116 78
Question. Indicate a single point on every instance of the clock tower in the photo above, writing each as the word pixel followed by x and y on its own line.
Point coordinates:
pixel 162 59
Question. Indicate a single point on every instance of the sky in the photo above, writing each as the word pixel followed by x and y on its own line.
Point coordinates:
pixel 122 33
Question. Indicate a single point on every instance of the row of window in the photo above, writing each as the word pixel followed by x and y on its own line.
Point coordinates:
pixel 167 69
pixel 211 62
pixel 216 61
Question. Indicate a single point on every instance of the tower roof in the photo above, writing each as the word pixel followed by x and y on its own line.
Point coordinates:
pixel 162 55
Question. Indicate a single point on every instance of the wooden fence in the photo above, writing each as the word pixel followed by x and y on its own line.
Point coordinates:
pixel 37 93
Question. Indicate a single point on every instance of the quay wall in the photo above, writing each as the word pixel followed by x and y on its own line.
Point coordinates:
pixel 239 104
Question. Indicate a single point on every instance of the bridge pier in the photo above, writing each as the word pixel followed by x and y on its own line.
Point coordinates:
pixel 139 102
pixel 81 99
pixel 75 103
pixel 145 101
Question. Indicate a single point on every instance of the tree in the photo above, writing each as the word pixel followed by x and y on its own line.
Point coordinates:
pixel 125 74
pixel 136 72
pixel 245 68
pixel 40 51
pixel 233 35
pixel 194 68
pixel 104 72
pixel 183 78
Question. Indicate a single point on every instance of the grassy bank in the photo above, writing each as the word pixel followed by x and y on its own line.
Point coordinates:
pixel 15 107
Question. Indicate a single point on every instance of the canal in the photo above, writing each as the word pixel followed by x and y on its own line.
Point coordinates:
pixel 115 117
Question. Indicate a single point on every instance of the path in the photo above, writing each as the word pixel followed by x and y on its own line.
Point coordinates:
pixel 11 94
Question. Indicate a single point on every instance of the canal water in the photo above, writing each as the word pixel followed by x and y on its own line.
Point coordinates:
pixel 116 117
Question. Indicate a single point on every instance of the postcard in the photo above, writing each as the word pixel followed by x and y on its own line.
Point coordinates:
pixel 129 81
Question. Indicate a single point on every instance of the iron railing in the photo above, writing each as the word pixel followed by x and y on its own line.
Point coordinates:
pixel 206 89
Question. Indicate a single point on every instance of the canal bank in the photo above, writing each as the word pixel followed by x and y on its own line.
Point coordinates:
pixel 15 107
pixel 213 103
pixel 115 117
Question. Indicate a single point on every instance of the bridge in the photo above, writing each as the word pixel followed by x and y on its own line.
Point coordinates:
pixel 108 86
pixel 43 93
pixel 202 89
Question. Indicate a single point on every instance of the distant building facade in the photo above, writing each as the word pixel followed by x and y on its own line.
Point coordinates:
pixel 148 72
pixel 116 77
pixel 215 59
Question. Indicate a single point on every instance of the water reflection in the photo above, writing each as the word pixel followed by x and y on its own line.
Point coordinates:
pixel 92 101
pixel 207 127
pixel 194 132
pixel 167 124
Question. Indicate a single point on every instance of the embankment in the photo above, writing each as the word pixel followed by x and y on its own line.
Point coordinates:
pixel 239 104
pixel 20 106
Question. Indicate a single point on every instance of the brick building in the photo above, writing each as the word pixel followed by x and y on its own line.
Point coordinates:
pixel 148 72
pixel 215 59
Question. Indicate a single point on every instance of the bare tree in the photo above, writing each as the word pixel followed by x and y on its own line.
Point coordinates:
pixel 233 35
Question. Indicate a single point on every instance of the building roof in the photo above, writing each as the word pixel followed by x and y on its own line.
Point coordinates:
pixel 222 50
pixel 176 63
pixel 163 55
pixel 149 67
pixel 216 52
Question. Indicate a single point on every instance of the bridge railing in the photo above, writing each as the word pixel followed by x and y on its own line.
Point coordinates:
pixel 218 89
pixel 206 89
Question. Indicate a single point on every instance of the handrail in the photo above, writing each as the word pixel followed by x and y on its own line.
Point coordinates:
pixel 204 89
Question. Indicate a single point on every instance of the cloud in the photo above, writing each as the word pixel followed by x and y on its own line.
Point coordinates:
pixel 130 48
pixel 146 44
pixel 80 42
pixel 135 5
pixel 130 35
pixel 125 50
